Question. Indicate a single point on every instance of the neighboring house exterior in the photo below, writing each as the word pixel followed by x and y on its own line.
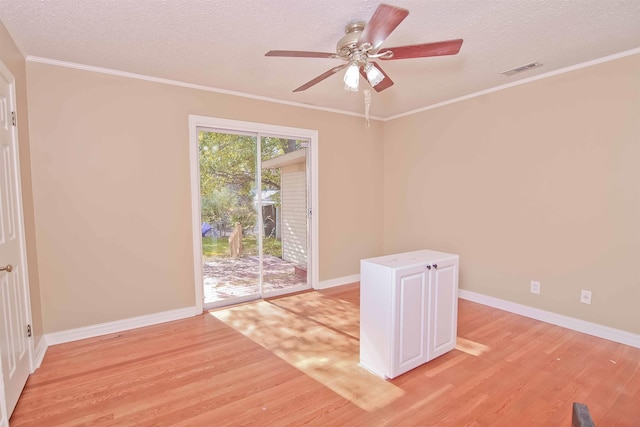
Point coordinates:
pixel 292 221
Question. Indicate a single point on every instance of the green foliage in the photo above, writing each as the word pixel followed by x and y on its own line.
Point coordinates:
pixel 228 175
pixel 244 212
pixel 217 207
pixel 226 160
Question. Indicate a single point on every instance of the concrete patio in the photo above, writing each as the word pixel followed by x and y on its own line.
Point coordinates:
pixel 226 278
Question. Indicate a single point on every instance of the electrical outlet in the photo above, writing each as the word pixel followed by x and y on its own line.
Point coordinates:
pixel 585 297
pixel 535 287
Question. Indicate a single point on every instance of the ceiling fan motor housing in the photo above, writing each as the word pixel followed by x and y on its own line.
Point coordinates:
pixel 348 43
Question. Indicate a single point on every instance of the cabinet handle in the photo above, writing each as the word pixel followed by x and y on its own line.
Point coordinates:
pixel 428 267
pixel 435 265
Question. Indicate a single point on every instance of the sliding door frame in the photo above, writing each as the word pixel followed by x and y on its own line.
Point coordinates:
pixel 261 129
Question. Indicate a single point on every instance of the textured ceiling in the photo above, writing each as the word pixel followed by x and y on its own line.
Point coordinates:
pixel 221 43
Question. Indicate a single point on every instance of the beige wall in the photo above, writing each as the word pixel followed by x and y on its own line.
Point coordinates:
pixel 14 61
pixel 110 168
pixel 536 182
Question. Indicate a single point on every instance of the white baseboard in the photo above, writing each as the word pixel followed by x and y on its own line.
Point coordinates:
pixel 583 326
pixel 39 352
pixel 338 282
pixel 119 325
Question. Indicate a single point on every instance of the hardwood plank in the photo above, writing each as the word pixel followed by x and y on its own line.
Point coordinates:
pixel 293 361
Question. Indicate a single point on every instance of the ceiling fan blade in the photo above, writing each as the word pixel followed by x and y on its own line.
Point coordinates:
pixel 320 78
pixel 449 47
pixel 384 20
pixel 300 54
pixel 384 84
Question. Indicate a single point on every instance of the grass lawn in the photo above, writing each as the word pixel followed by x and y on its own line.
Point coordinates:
pixel 219 246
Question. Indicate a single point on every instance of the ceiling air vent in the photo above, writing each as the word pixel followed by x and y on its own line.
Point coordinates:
pixel 521 68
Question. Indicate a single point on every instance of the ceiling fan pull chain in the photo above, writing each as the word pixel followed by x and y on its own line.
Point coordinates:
pixel 367 104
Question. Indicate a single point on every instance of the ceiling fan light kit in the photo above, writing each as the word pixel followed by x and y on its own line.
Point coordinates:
pixel 361 43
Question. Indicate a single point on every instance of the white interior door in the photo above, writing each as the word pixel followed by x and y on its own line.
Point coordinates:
pixel 15 344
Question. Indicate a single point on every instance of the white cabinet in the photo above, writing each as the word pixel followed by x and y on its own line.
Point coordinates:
pixel 408 310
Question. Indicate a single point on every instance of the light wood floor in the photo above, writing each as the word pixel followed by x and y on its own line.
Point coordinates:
pixel 297 365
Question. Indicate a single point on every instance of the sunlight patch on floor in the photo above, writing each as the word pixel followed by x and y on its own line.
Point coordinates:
pixel 334 313
pixel 325 353
pixel 471 347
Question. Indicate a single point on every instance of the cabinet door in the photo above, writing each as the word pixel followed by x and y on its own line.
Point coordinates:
pixel 443 308
pixel 410 340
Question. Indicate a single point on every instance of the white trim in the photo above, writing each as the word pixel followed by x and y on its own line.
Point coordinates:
pixel 129 75
pixel 520 82
pixel 339 281
pixel 118 325
pixel 583 326
pixel 196 225
pixel 314 209
pixel 41 350
pixel 261 129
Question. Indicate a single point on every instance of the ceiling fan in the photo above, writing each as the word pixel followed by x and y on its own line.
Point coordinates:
pixel 361 45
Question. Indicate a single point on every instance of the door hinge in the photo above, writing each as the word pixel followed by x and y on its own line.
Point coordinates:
pixel 29 331
pixel 13 118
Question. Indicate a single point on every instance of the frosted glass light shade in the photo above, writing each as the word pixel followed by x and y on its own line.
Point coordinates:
pixel 352 78
pixel 373 74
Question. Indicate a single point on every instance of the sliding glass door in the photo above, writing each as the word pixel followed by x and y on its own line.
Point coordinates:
pixel 254 215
